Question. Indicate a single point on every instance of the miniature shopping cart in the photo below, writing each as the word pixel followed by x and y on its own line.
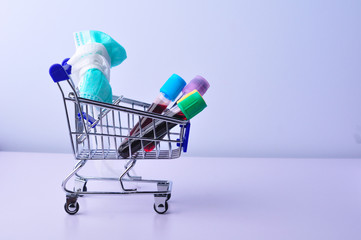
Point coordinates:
pixel 97 129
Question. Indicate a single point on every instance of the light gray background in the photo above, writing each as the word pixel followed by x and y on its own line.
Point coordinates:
pixel 285 75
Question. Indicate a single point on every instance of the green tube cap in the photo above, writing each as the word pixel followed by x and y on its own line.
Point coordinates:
pixel 192 104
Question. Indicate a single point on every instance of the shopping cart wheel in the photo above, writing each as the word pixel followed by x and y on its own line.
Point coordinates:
pixel 71 208
pixel 161 208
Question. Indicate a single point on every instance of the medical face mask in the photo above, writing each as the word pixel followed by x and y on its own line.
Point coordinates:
pixel 91 71
pixel 115 51
pixel 95 86
pixel 96 53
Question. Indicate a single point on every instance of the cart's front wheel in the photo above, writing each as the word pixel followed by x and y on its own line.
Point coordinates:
pixel 161 208
pixel 71 208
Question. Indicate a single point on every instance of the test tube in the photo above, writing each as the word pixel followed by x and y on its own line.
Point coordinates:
pixel 198 83
pixel 168 93
pixel 186 108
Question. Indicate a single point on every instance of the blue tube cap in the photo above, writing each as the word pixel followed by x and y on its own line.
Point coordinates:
pixel 172 87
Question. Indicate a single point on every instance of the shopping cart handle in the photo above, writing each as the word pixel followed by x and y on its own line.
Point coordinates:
pixel 60 72
pixel 66 66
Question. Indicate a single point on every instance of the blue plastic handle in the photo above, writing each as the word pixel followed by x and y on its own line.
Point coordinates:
pixel 66 66
pixel 186 137
pixel 57 73
pixel 65 61
pixel 90 119
pixel 60 72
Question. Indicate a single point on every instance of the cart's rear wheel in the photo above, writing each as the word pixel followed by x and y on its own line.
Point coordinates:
pixel 71 208
pixel 161 208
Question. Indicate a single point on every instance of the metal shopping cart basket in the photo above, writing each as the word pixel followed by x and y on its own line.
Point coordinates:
pixel 97 129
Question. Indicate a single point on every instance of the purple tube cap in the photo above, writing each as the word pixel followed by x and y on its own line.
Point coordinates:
pixel 197 83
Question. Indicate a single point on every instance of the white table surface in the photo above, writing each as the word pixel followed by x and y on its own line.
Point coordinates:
pixel 212 198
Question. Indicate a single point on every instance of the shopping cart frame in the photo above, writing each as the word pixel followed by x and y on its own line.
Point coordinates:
pixel 85 134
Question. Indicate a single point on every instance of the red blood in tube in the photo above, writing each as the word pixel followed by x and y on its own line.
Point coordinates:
pixel 154 108
pixel 161 131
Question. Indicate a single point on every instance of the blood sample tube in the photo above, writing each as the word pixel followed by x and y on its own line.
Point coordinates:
pixel 186 108
pixel 168 93
pixel 197 83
